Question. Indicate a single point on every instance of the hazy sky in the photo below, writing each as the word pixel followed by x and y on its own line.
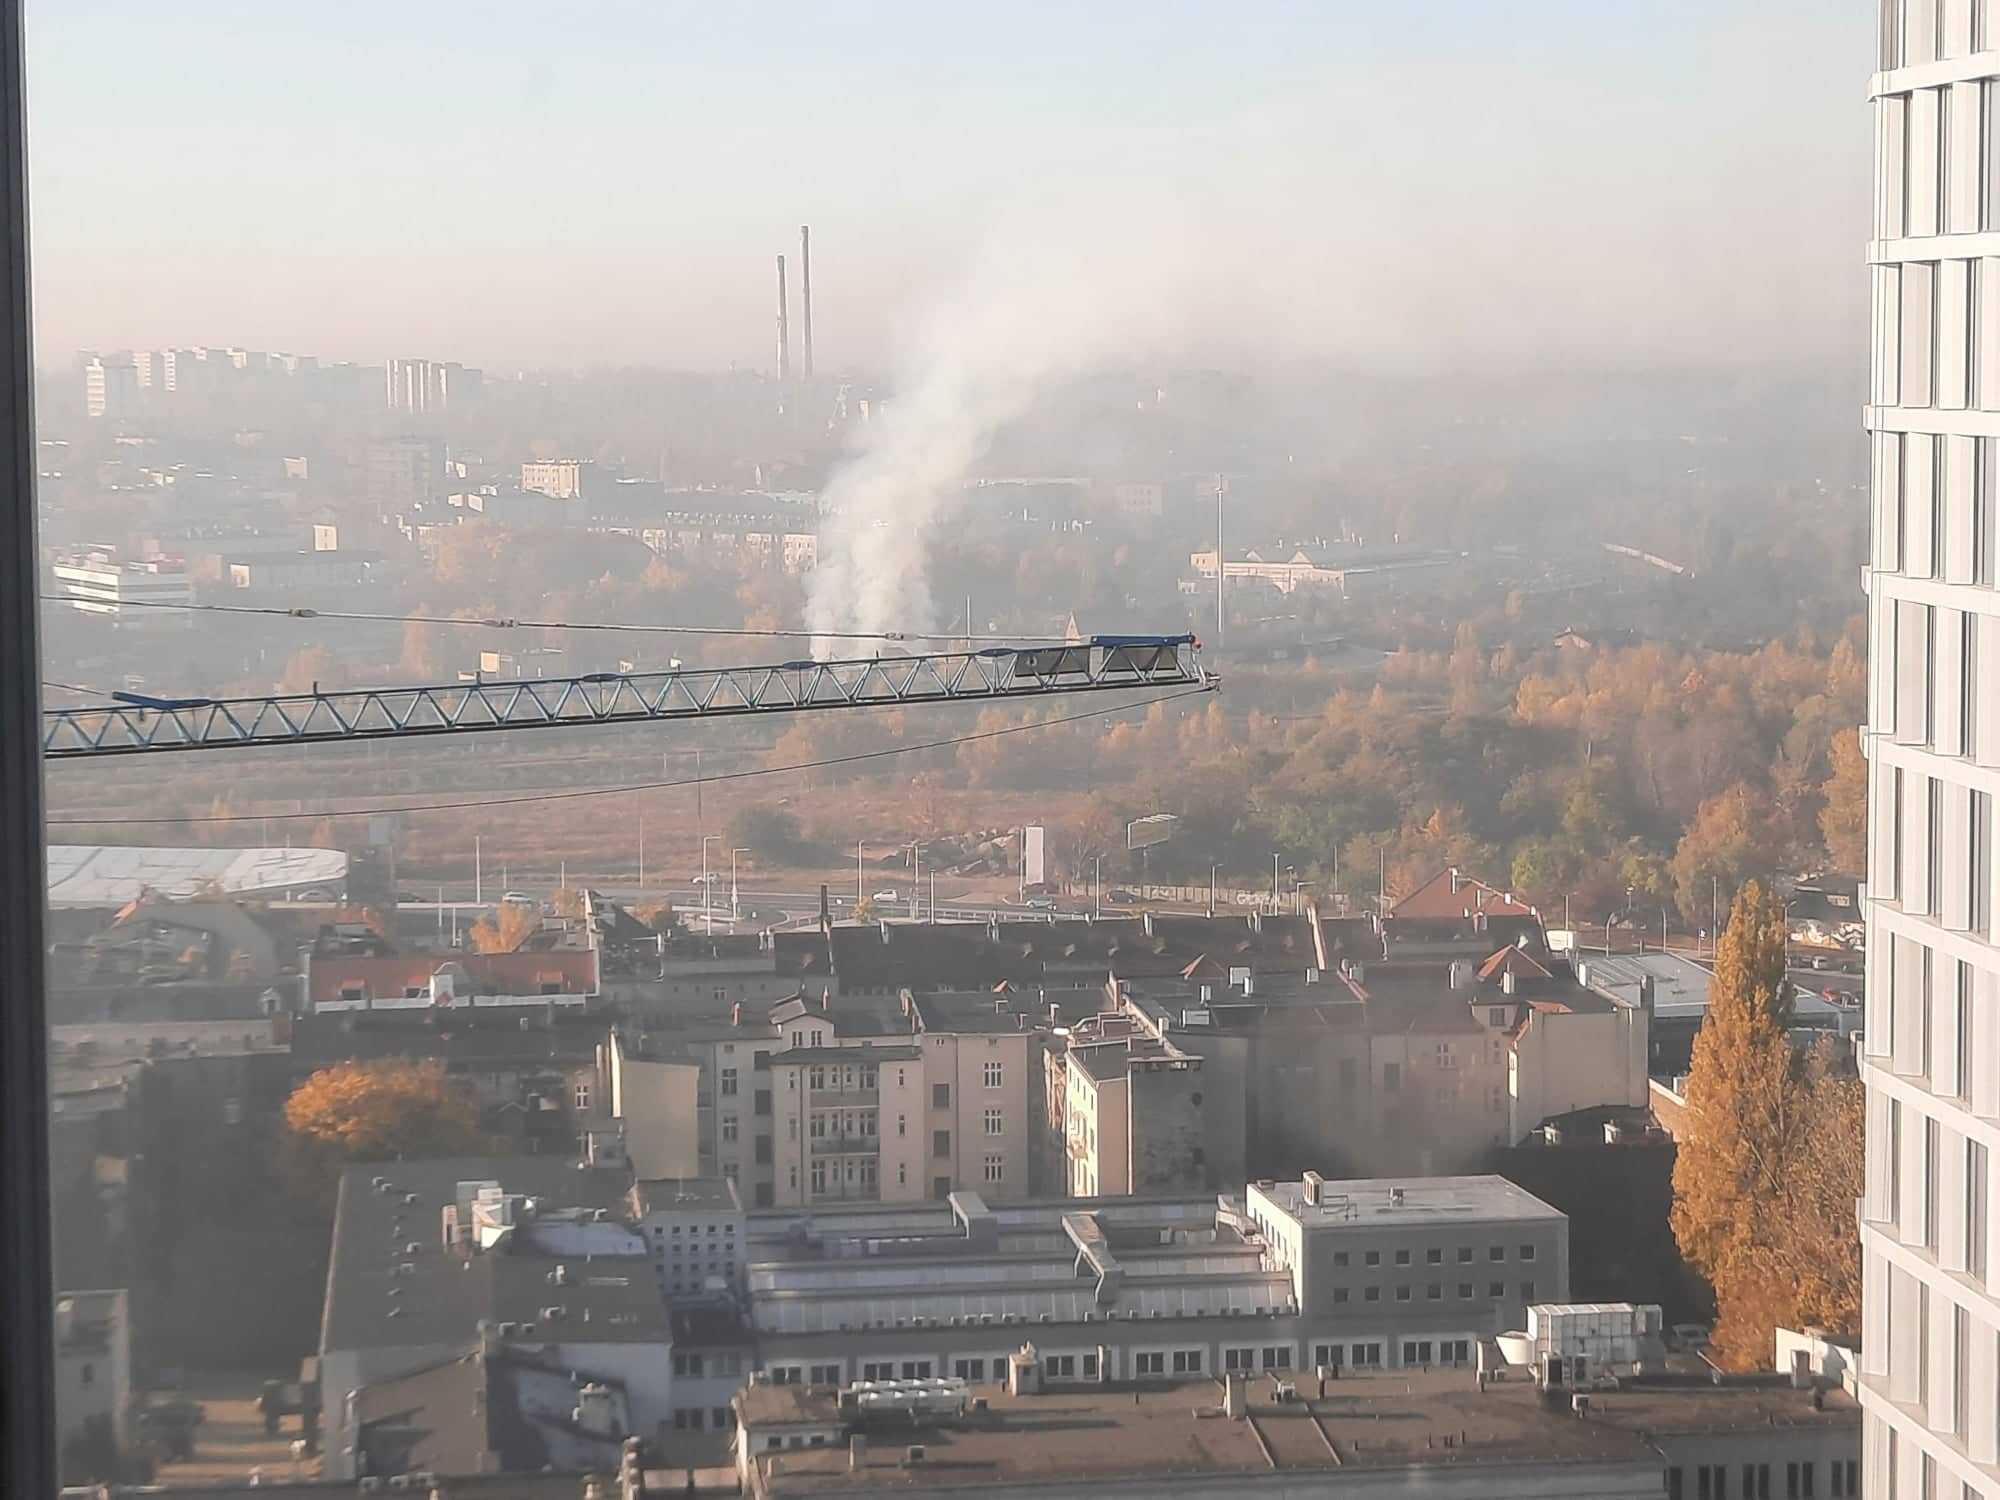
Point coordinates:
pixel 515 183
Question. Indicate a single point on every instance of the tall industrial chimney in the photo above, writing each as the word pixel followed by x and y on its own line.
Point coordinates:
pixel 806 299
pixel 784 330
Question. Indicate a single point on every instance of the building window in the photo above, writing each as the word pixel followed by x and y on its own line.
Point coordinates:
pixel 1340 1294
pixel 1527 1252
pixel 1434 1292
pixel 1527 1291
pixel 1187 1361
pixel 729 1127
pixel 902 1174
pixel 1239 1359
pixel 1151 1362
pixel 1434 1256
pixel 969 1369
pixel 1371 1294
pixel 1402 1257
pixel 1465 1255
pixel 728 1081
pixel 582 1096
pixel 1496 1252
pixel 1277 1356
pixel 1496 1289
pixel 1372 1258
pixel 1403 1293
pixel 940 1096
pixel 878 1370
pixel 940 1143
pixel 1340 1257
pixel 996 1123
pixel 993 1073
pixel 996 1168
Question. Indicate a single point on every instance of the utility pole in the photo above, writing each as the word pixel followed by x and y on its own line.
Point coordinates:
pixel 642 846
pixel 1099 882
pixel 1274 882
pixel 1382 879
pixel 478 889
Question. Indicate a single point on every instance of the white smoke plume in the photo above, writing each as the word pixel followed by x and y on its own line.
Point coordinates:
pixel 1023 318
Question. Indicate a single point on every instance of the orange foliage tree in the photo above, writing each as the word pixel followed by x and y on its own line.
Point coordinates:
pixel 362 1111
pixel 1769 1165
pixel 515 925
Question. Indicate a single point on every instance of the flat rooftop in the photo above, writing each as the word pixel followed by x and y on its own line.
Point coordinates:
pixel 1400 1420
pixel 1365 1202
pixel 687 1195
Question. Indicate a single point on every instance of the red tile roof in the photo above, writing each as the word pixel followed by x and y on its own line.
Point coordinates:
pixel 1450 895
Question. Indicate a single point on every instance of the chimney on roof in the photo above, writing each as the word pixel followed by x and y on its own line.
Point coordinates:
pixel 826 999
pixel 1506 981
pixel 736 1013
pixel 1454 880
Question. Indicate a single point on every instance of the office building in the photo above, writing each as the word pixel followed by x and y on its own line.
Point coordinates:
pixel 96 581
pixel 1931 1318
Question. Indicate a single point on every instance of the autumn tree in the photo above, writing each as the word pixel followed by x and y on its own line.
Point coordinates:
pixel 512 926
pixel 1769 1155
pixel 365 1111
pixel 1843 815
pixel 1728 841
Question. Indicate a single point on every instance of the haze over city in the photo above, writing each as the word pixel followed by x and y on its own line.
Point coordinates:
pixel 1263 750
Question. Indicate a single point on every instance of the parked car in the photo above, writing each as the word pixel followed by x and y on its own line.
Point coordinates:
pixel 890 894
pixel 1041 903
pixel 1689 1336
pixel 1121 896
pixel 519 898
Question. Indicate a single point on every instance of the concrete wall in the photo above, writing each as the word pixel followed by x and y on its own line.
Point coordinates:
pixel 1167 1135
pixel 1570 1062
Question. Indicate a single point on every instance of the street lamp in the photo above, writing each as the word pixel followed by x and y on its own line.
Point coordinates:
pixel 735 897
pixel 1099 883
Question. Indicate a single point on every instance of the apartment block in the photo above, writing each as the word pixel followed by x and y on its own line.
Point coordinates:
pixel 1930 1357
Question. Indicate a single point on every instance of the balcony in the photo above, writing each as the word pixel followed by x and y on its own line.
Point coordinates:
pixel 844 1098
pixel 845 1145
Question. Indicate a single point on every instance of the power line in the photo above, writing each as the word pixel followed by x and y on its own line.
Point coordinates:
pixel 641 786
pixel 75 687
pixel 302 612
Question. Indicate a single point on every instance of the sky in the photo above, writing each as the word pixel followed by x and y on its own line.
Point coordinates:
pixel 519 184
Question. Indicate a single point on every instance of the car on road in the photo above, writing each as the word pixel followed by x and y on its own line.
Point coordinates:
pixel 890 894
pixel 518 898
pixel 1121 897
pixel 1041 903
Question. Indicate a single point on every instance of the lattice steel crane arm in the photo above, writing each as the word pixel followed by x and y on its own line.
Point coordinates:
pixel 139 724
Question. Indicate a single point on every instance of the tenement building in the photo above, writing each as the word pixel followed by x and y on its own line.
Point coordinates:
pixel 1931 1337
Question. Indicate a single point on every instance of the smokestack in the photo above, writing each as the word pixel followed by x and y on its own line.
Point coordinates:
pixel 806 300
pixel 784 330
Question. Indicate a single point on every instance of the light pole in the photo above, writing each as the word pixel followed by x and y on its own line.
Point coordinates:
pixel 857 874
pixel 735 896
pixel 707 890
pixel 1274 882
pixel 642 846
pixel 1099 883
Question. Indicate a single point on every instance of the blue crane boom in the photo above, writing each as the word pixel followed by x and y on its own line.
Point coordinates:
pixel 141 723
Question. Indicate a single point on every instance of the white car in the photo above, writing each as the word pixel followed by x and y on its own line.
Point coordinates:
pixel 519 898
pixel 889 895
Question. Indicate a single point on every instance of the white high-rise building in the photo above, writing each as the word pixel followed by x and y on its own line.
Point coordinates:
pixel 1931 1317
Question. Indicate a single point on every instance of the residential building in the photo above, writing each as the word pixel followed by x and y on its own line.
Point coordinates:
pixel 93 1363
pixel 1930 1356
pixel 864 1099
pixel 429 385
pixel 560 479
pixel 434 1259
pixel 405 473
pixel 125 591
pixel 110 385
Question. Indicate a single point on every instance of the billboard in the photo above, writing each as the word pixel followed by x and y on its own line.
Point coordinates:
pixel 1156 828
pixel 1035 854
